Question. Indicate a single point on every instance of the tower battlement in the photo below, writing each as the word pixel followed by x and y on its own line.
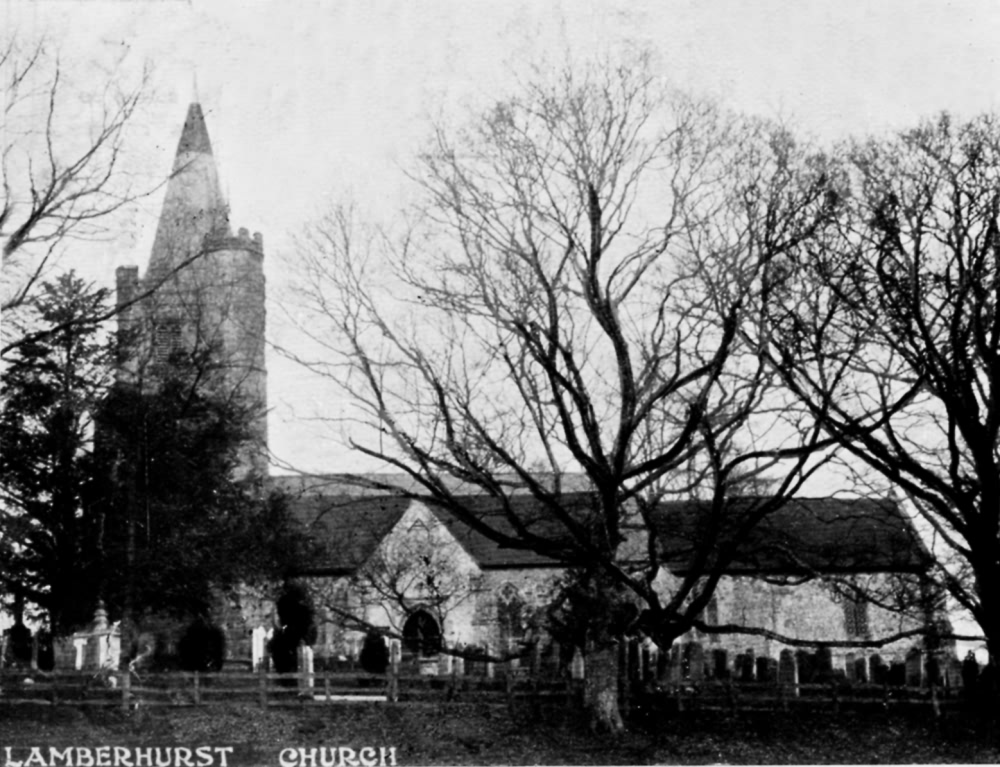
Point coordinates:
pixel 242 241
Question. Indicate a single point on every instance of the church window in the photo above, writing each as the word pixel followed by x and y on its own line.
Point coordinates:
pixel 856 618
pixel 166 339
pixel 510 616
pixel 422 634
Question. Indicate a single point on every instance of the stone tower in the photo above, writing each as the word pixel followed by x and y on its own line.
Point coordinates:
pixel 205 288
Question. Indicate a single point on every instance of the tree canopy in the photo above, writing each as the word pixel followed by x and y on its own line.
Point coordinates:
pixel 887 330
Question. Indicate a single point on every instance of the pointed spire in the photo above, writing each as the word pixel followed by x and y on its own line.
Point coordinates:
pixel 194 206
pixel 194 137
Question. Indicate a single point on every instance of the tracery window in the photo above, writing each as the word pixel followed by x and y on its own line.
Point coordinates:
pixel 510 616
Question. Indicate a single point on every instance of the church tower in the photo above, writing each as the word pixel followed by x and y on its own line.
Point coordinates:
pixel 203 291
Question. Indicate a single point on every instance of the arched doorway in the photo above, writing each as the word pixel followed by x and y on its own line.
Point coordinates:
pixel 422 634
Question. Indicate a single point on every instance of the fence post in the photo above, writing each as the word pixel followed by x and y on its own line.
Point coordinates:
pixel 126 689
pixel 262 688
pixel 394 653
pixel 508 681
pixel 326 687
pixel 197 688
pixel 731 692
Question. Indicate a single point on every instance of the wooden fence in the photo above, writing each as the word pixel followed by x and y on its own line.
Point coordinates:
pixel 271 689
pixel 514 687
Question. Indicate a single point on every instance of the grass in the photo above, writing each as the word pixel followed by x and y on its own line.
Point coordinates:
pixel 460 733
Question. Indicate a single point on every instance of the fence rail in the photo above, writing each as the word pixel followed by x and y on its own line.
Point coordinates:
pixel 268 689
pixel 513 689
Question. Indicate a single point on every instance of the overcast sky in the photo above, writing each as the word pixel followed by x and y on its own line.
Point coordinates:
pixel 313 101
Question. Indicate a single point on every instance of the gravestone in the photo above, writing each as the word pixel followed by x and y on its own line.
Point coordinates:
pixel 761 671
pixel 824 664
pixel 860 671
pixel 720 663
pixel 877 670
pixel 787 669
pixel 696 662
pixel 806 663
pixel 914 668
pixel 897 674
pixel 676 670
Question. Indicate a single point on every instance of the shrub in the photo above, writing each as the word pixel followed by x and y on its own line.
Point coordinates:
pixel 296 614
pixel 374 653
pixel 202 647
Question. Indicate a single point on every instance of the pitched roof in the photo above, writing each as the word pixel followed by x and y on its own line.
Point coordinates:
pixel 346 529
pixel 803 535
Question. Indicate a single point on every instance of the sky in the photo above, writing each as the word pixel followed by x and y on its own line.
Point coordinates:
pixel 309 103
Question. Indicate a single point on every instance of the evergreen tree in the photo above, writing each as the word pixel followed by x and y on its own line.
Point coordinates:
pixel 181 524
pixel 49 391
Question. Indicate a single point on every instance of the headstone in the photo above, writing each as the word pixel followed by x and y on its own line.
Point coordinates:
pixel 307 680
pixel 805 661
pixel 634 668
pixel 762 670
pixel 676 669
pixel 721 664
pixel 896 675
pixel 824 664
pixel 662 664
pixel 860 671
pixel 747 670
pixel 787 670
pixel 877 670
pixel 80 647
pixel 970 671
pixel 258 646
pixel 914 668
pixel 696 662
pixel 932 669
pixel 444 664
pixel 577 667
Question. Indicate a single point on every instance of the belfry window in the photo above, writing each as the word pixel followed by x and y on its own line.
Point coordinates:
pixel 166 339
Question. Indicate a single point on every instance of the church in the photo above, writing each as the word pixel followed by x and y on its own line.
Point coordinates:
pixel 427 577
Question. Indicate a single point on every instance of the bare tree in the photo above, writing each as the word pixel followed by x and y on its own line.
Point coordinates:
pixel 552 315
pixel 62 180
pixel 887 329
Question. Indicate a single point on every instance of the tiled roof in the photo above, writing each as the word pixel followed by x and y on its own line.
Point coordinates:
pixel 803 535
pixel 363 484
pixel 815 534
pixel 346 529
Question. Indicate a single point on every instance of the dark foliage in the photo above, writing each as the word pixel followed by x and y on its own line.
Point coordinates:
pixel 202 647
pixel 296 613
pixel 374 653
pixel 178 525
pixel 48 535
pixel 297 617
pixel 284 649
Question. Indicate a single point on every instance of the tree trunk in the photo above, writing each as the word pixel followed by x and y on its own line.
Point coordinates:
pixel 601 690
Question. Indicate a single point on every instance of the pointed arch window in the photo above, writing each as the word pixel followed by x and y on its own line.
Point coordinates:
pixel 510 616
pixel 422 634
